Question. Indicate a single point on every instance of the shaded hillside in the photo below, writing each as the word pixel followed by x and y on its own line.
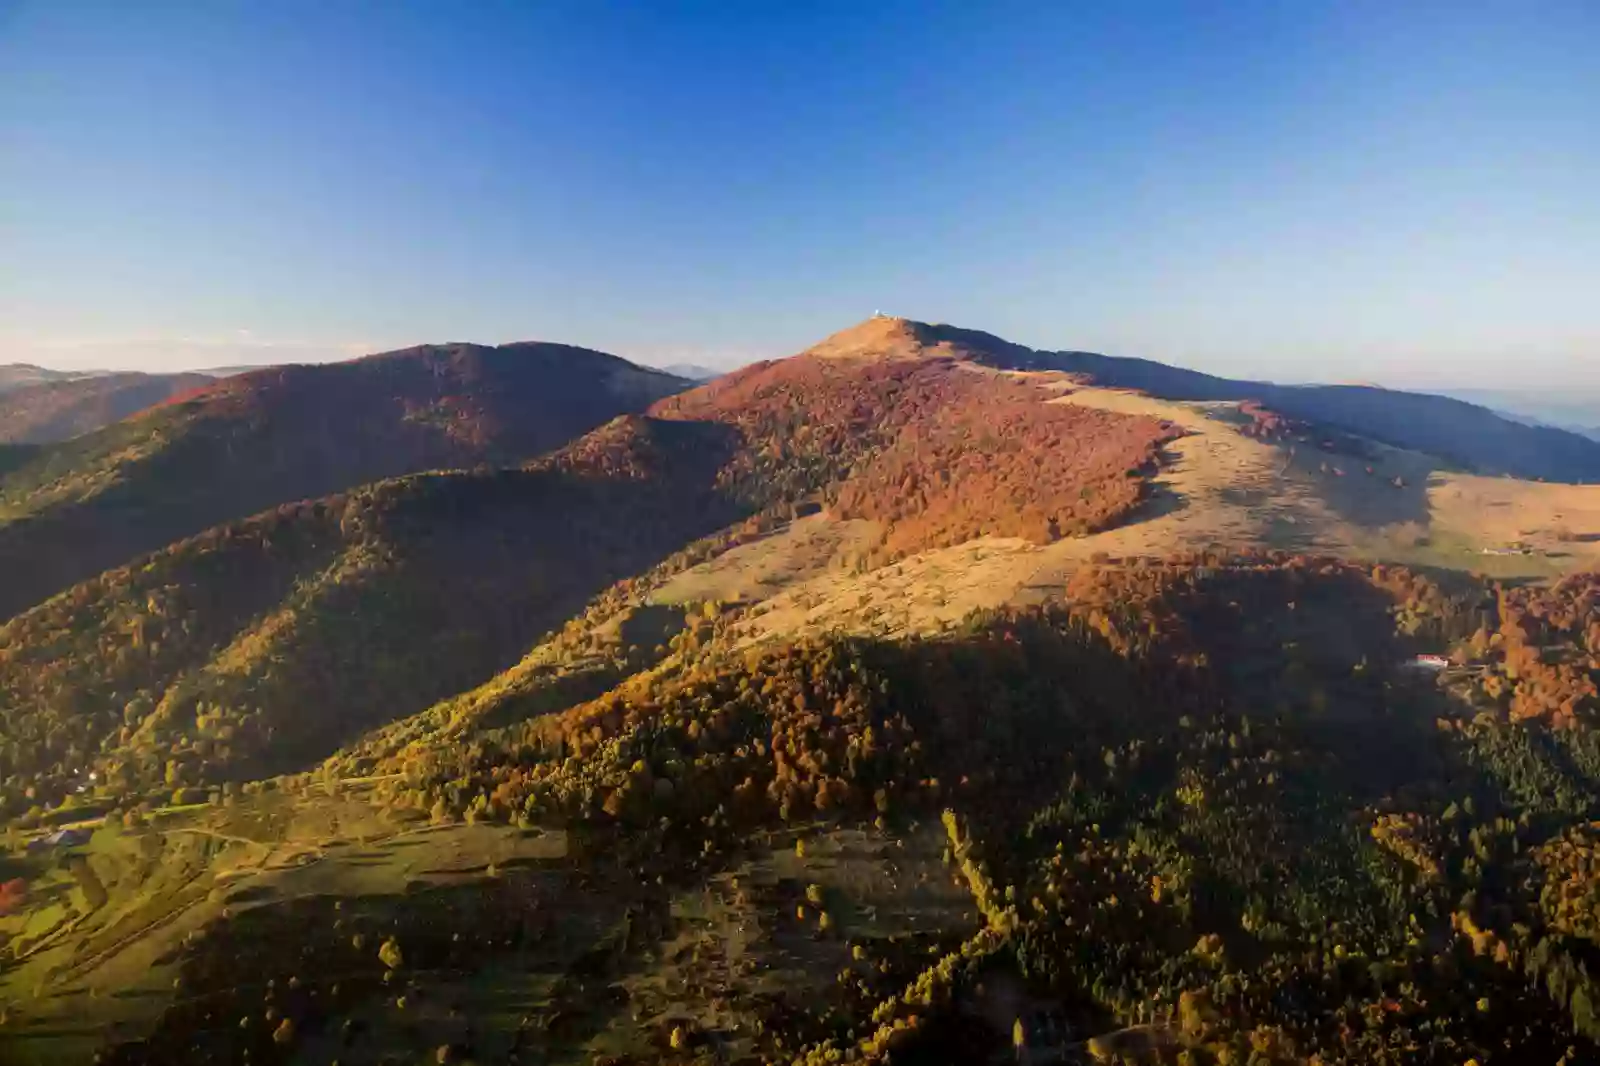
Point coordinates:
pixel 1205 810
pixel 1211 795
pixel 1459 432
pixel 262 645
pixel 59 410
pixel 14 455
pixel 288 433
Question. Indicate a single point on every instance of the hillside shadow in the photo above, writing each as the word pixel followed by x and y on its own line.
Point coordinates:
pixel 1317 653
pixel 1324 657
pixel 551 695
pixel 1159 501
pixel 13 456
pixel 1371 492
pixel 488 565
pixel 547 940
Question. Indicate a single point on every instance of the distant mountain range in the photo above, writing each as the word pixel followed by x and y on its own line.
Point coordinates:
pixel 64 407
pixel 693 371
pixel 379 534
pixel 22 375
pixel 218 449
pixel 1577 414
pixel 379 600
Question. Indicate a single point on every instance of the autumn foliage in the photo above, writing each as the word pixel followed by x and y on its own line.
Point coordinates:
pixel 259 440
pixel 937 450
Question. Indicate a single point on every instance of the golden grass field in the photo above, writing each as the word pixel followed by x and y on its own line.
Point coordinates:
pixel 1216 488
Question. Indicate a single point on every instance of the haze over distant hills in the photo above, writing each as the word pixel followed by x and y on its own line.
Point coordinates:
pixel 693 371
pixel 22 375
pixel 1575 411
pixel 69 406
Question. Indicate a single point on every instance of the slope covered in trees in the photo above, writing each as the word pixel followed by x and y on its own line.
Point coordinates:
pixel 60 410
pixel 264 438
pixel 1213 795
pixel 261 645
pixel 1215 808
pixel 1206 810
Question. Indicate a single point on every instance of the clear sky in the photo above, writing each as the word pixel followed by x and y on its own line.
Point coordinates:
pixel 1400 192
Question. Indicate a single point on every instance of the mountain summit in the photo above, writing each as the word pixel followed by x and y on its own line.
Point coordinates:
pixel 883 337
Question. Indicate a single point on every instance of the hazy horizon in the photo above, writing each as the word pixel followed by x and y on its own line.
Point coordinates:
pixel 1395 196
pixel 1573 406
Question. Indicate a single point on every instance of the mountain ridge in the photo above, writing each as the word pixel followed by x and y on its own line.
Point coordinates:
pixel 238 445
pixel 1472 435
pixel 444 579
pixel 920 439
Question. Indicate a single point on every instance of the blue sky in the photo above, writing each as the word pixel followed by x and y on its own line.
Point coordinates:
pixel 1403 193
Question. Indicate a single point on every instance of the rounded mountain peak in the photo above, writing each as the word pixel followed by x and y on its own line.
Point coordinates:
pixel 879 337
pixel 883 337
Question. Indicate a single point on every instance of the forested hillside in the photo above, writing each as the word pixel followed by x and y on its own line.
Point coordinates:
pixel 60 410
pixel 616 754
pixel 1206 810
pixel 936 449
pixel 273 436
pixel 1212 795
pixel 199 664
pixel 258 647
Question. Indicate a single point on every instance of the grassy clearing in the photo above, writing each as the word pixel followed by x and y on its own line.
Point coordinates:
pixel 72 973
pixel 779 948
pixel 1216 487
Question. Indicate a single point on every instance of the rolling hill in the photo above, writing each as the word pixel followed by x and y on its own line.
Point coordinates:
pixel 246 443
pixel 251 648
pixel 1465 434
pixel 374 604
pixel 59 410
pixel 887 481
pixel 918 698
